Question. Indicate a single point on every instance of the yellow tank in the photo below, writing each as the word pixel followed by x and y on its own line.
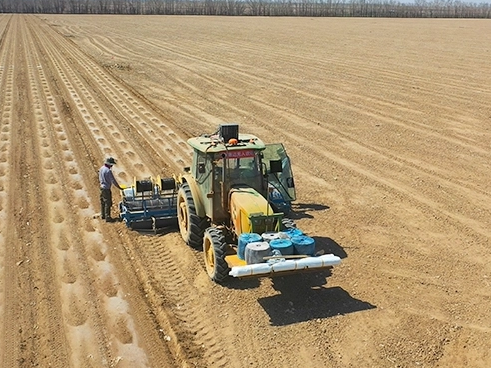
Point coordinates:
pixel 251 212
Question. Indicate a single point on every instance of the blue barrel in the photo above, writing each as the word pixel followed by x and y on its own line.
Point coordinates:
pixel 303 244
pixel 291 232
pixel 244 239
pixel 285 246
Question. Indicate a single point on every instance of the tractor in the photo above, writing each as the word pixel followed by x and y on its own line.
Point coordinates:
pixel 238 185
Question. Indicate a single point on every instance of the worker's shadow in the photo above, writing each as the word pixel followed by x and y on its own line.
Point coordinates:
pixel 298 302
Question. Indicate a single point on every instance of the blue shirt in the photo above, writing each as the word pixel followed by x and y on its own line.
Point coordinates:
pixel 106 178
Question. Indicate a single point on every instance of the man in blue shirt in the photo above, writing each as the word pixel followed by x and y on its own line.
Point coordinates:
pixel 106 180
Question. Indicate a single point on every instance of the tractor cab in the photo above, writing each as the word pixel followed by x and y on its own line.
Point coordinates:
pixel 229 160
pixel 222 161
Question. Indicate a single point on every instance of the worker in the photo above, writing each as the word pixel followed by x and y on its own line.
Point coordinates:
pixel 106 180
pixel 277 200
pixel 274 193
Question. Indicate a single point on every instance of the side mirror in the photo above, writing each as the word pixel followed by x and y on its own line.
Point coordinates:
pixel 275 166
pixel 187 169
pixel 201 168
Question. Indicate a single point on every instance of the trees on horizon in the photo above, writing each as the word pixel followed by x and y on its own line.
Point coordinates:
pixel 300 8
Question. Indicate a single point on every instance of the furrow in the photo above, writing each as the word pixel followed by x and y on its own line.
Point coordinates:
pixel 110 140
pixel 8 254
pixel 73 289
pixel 136 115
pixel 335 96
pixel 29 300
pixel 99 325
pixel 329 95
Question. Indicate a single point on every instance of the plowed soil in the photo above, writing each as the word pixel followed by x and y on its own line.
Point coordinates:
pixel 387 122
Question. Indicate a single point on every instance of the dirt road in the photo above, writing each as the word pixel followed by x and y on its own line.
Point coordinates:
pixel 388 125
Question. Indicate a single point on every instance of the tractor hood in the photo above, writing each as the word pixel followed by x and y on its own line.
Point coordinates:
pixel 250 201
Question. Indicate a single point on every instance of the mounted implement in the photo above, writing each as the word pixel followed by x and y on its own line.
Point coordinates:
pixel 149 204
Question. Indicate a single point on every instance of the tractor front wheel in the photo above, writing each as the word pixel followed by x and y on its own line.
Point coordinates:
pixel 214 250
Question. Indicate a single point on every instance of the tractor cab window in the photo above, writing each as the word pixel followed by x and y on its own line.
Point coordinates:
pixel 243 168
pixel 202 167
pixel 279 170
pixel 218 168
pixel 238 165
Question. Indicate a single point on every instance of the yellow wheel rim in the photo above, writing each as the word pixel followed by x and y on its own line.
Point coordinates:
pixel 209 254
pixel 183 216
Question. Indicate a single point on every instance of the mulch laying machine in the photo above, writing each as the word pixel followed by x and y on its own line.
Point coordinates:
pixel 149 204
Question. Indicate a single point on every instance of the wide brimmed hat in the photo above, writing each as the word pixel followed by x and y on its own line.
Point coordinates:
pixel 110 161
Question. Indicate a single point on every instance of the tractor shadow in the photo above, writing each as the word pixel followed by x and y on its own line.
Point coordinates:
pixel 299 302
pixel 325 245
pixel 300 210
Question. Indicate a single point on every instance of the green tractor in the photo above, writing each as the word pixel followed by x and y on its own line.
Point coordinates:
pixel 236 185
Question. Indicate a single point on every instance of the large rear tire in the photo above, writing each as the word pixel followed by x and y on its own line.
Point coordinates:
pixel 191 226
pixel 214 250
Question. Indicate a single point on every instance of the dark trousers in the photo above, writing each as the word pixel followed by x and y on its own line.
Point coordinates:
pixel 106 203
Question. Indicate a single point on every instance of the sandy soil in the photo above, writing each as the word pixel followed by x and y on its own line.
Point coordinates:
pixel 388 125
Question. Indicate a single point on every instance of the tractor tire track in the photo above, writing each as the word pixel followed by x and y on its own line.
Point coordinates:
pixel 178 277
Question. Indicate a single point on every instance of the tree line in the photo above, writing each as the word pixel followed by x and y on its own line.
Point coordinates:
pixel 299 8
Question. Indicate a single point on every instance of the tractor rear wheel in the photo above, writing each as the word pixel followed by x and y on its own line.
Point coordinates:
pixel 214 250
pixel 191 225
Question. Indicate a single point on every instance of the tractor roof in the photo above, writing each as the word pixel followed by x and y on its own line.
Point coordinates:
pixel 214 144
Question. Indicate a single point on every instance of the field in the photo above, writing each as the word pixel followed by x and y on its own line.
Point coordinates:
pixel 388 125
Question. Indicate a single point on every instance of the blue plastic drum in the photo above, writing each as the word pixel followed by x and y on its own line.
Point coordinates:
pixel 303 244
pixel 244 239
pixel 290 233
pixel 285 246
